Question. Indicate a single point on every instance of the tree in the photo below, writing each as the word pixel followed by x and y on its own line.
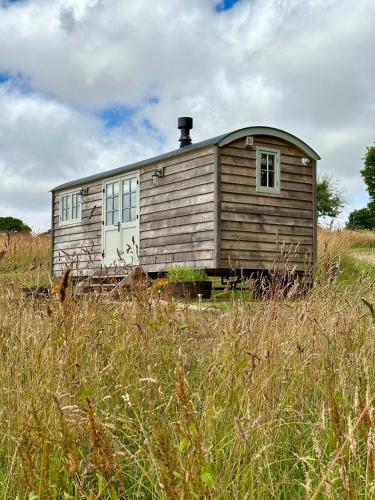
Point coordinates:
pixel 329 198
pixel 364 218
pixel 12 225
pixel 368 171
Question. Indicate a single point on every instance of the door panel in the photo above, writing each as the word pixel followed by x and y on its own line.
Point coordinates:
pixel 112 230
pixel 130 219
pixel 121 221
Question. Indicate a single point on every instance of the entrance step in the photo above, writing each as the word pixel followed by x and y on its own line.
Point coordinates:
pixel 112 283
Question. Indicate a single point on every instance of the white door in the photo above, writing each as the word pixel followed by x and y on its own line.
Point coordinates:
pixel 121 221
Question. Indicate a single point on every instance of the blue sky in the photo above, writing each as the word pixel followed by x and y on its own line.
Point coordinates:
pixel 225 5
pixel 86 86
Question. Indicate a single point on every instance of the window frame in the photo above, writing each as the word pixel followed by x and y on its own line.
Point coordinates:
pixel 113 196
pixel 276 153
pixel 70 221
pixel 133 196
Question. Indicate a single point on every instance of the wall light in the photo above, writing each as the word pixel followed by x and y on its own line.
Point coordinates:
pixel 157 173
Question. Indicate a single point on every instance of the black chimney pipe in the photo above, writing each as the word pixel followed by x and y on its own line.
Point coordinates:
pixel 185 124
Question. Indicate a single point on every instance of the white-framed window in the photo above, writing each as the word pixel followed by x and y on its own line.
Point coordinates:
pixel 268 170
pixel 70 208
pixel 129 200
pixel 112 203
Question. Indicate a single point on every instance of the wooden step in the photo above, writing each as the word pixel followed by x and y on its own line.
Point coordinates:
pixel 112 282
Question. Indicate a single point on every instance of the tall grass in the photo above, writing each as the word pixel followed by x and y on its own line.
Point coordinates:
pixel 25 257
pixel 141 399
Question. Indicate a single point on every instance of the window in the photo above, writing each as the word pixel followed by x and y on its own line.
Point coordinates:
pixel 70 208
pixel 112 203
pixel 129 200
pixel 268 170
pixel 76 206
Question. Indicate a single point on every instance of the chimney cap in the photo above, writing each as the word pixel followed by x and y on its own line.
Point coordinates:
pixel 185 122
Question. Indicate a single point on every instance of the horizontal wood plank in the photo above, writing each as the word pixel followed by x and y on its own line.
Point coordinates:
pixel 235 235
pixel 177 212
pixel 184 229
pixel 190 237
pixel 254 227
pixel 179 203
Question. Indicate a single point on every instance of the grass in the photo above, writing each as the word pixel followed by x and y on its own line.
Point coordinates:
pixel 186 274
pixel 142 399
pixel 25 258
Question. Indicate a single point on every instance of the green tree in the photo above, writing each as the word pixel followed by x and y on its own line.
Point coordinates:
pixel 12 225
pixel 361 219
pixel 364 218
pixel 329 198
pixel 368 171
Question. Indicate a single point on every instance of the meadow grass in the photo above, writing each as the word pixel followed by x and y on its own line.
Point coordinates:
pixel 144 399
pixel 25 258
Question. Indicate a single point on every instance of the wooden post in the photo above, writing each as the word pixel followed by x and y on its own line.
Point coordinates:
pixel 217 208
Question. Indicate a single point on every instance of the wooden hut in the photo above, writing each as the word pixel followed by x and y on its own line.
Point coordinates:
pixel 233 201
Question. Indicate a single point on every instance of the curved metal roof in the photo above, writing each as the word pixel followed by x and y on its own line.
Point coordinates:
pixel 220 140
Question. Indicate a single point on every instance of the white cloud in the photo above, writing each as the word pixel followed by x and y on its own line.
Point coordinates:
pixel 305 66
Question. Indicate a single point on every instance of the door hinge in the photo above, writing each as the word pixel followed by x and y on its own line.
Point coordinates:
pixel 103 190
pixel 102 222
pixel 103 254
pixel 137 181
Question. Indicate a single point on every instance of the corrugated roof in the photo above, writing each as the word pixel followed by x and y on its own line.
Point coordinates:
pixel 219 139
pixel 142 163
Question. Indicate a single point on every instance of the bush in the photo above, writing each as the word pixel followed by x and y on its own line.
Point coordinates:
pixel 186 274
pixel 364 218
pixel 12 225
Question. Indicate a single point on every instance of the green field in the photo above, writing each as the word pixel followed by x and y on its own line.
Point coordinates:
pixel 147 399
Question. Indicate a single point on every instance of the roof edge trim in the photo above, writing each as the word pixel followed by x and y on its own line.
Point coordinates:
pixel 273 132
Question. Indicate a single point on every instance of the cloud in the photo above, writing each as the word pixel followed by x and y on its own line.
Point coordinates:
pixel 45 142
pixel 101 82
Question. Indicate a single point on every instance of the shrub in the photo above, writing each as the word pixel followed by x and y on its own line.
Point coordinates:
pixel 362 219
pixel 187 274
pixel 12 225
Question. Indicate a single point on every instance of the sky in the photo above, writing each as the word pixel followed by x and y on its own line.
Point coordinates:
pixel 90 85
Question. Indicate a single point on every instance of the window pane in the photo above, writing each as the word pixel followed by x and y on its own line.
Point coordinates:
pixel 115 203
pixel 109 218
pixel 271 162
pixel 126 201
pixel 126 215
pixel 108 204
pixel 133 214
pixel 263 178
pixel 126 186
pixel 263 160
pixel 115 217
pixel 271 179
pixel 133 185
pixel 115 188
pixel 109 189
pixel 133 203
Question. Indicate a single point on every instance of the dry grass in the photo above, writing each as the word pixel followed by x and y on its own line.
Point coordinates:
pixel 25 258
pixel 143 400
pixel 341 241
